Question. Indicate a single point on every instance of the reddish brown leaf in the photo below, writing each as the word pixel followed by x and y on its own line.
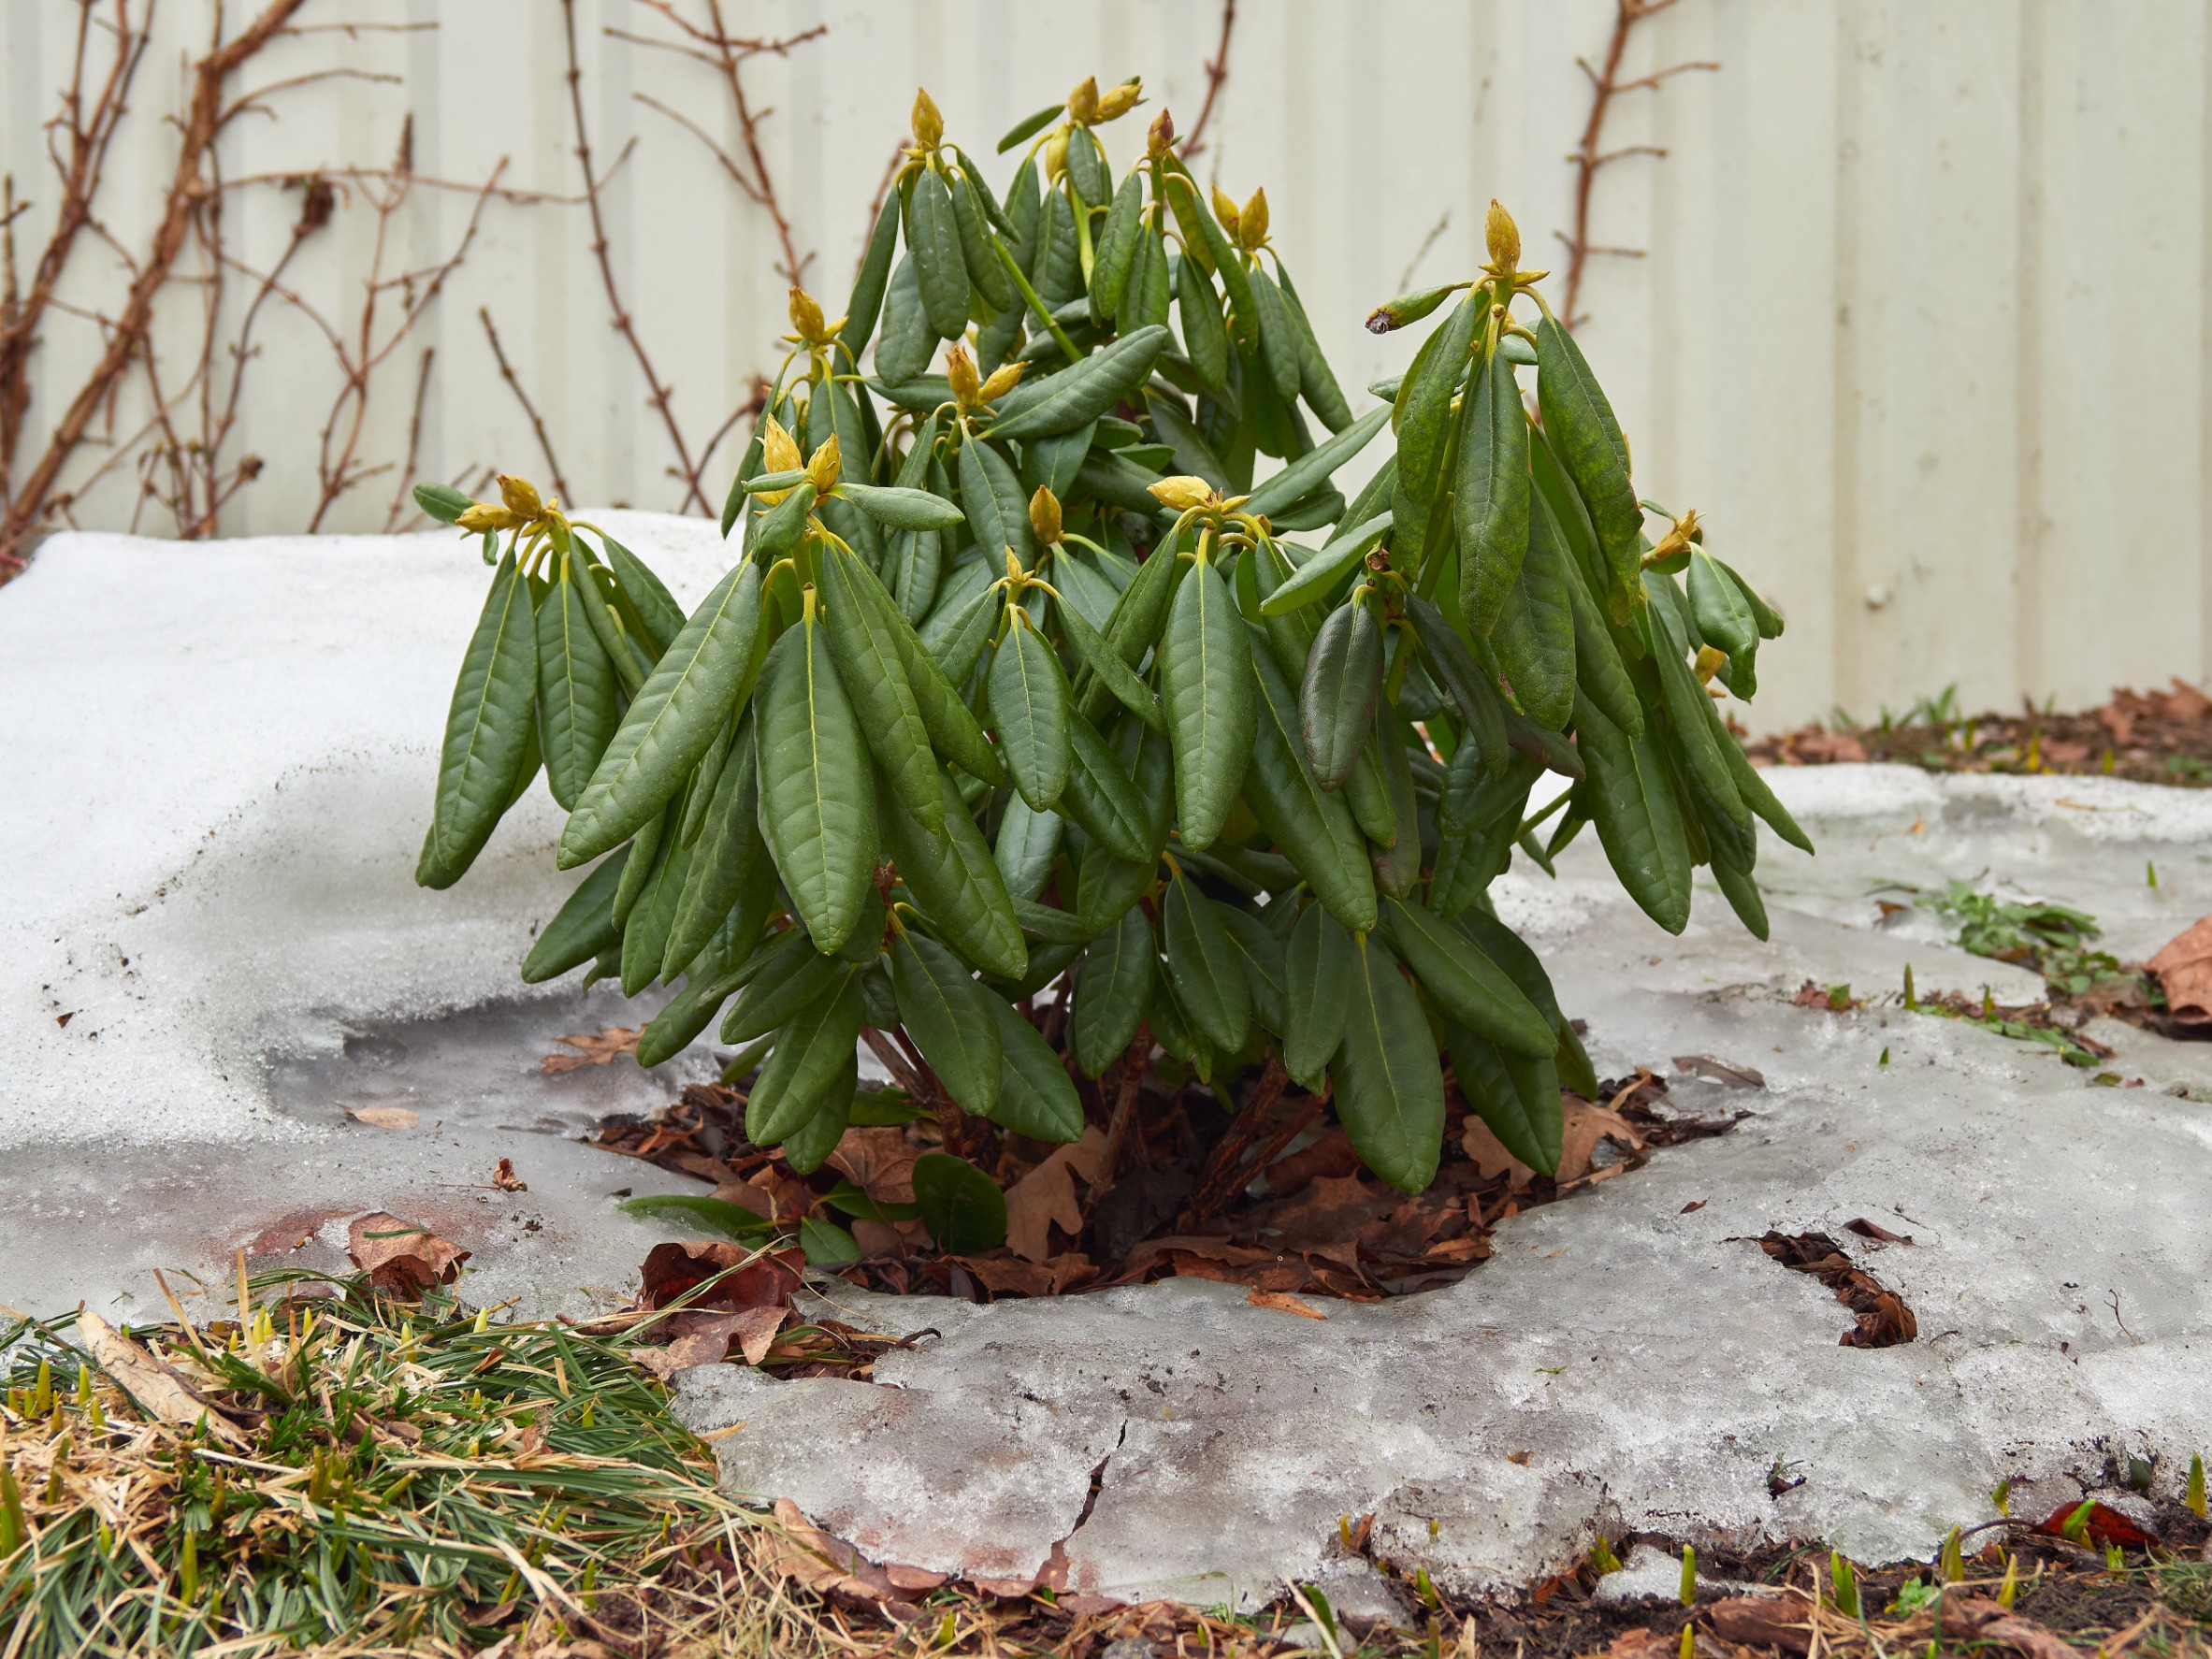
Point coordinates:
pixel 878 1161
pixel 506 1181
pixel 592 1050
pixel 383 1117
pixel 1764 1622
pixel 402 1258
pixel 1046 1195
pixel 1331 1209
pixel 672 1269
pixel 2184 968
pixel 2103 1526
pixel 1282 1303
pixel 1874 1229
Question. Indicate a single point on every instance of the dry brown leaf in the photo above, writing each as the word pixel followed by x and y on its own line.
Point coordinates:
pixel 1720 1071
pixel 383 1117
pixel 672 1269
pixel 1491 1158
pixel 1764 1622
pixel 2184 968
pixel 756 1331
pixel 831 1566
pixel 1586 1126
pixel 592 1050
pixel 159 1388
pixel 1047 1195
pixel 506 1181
pixel 1330 1210
pixel 879 1162
pixel 402 1258
pixel 1282 1301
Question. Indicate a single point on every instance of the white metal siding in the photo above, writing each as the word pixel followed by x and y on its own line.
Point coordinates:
pixel 1922 326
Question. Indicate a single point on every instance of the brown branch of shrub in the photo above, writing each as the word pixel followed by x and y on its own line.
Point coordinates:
pixel 658 392
pixel 401 497
pixel 728 54
pixel 1226 1171
pixel 1589 156
pixel 561 481
pixel 1217 72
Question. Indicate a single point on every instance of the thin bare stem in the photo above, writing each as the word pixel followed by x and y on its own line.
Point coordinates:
pixel 1217 73
pixel 561 481
pixel 1589 156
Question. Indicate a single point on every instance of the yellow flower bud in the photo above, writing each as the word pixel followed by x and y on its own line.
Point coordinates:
pixel 1182 493
pixel 822 469
pixel 929 126
pixel 1504 236
pixel 960 368
pixel 1252 223
pixel 484 516
pixel 1118 101
pixel 1082 104
pixel 521 496
pixel 1003 379
pixel 1224 209
pixel 806 318
pixel 779 449
pixel 1043 515
pixel 1160 137
pixel 1056 154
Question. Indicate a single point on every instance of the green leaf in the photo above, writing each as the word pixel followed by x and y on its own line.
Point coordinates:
pixel 442 501
pixel 971 208
pixel 960 1205
pixel 1279 341
pixel 1079 394
pixel 1306 474
pixel 1390 1093
pixel 1423 411
pixel 1104 662
pixel 1587 437
pixel 583 926
pixel 1028 704
pixel 1723 611
pixel 951 1019
pixel 1343 684
pixel 908 342
pixel 1112 992
pixel 1755 794
pixel 1205 679
pixel 1467 985
pixel 1134 626
pixel 676 717
pixel 1536 628
pixel 826 1243
pixel 812 1053
pixel 1599 672
pixel 1049 924
pixel 997 506
pixel 1312 826
pixel 1035 1097
pixel 1107 886
pixel 1692 721
pixel 953 877
pixel 1206 338
pixel 1100 798
pixel 716 1214
pixel 1316 379
pixel 654 606
pixel 901 508
pixel 818 791
pixel 1463 681
pixel 488 731
pixel 1028 126
pixel 575 693
pixel 644 861
pixel 1639 820
pixel 807 1147
pixel 1516 1095
pixel 1203 966
pixel 1396 872
pixel 1260 954
pixel 791 978
pixel 952 731
pixel 1490 502
pixel 1027 843
pixel 933 241
pixel 862 310
pixel 729 851
pixel 864 642
pixel 1116 246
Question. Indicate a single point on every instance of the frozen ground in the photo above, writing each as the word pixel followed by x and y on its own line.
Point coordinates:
pixel 221 761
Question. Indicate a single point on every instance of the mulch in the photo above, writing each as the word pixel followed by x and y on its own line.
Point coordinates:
pixel 2156 737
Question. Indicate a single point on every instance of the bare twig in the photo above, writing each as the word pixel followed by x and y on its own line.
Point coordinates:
pixel 1217 72
pixel 1420 254
pixel 658 392
pixel 883 189
pixel 400 496
pixel 1225 1170
pixel 561 483
pixel 1587 158
pixel 1132 1079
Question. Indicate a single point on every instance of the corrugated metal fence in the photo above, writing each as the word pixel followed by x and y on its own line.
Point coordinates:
pixel 1921 320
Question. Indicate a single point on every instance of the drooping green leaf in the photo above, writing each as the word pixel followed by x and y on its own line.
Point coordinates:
pixel 583 926
pixel 817 790
pixel 1390 1092
pixel 1202 965
pixel 949 1018
pixel 864 642
pixel 1030 706
pixel 1112 992
pixel 1342 683
pixel 954 878
pixel 1490 501
pixel 1639 820
pixel 576 702
pixel 488 731
pixel 1515 1094
pixel 932 242
pixel 960 1205
pixel 1035 1097
pixel 1079 394
pixel 1312 826
pixel 1028 842
pixel 813 1053
pixel 1467 985
pixel 1205 681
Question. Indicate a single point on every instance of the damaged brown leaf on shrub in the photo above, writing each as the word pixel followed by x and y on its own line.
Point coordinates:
pixel 402 1258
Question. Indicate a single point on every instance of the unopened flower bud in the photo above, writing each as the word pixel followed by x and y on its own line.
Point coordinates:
pixel 821 470
pixel 1043 515
pixel 481 515
pixel 1224 209
pixel 1118 101
pixel 1003 379
pixel 929 125
pixel 1082 104
pixel 521 496
pixel 1160 137
pixel 1504 236
pixel 960 368
pixel 779 449
pixel 1056 154
pixel 1182 493
pixel 806 318
pixel 1251 221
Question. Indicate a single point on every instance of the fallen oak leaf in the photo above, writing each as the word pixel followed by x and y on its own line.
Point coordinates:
pixel 592 1050
pixel 1047 1195
pixel 2184 968
pixel 383 1117
pixel 831 1566
pixel 402 1258
pixel 1282 1301
pixel 160 1390
pixel 505 1180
